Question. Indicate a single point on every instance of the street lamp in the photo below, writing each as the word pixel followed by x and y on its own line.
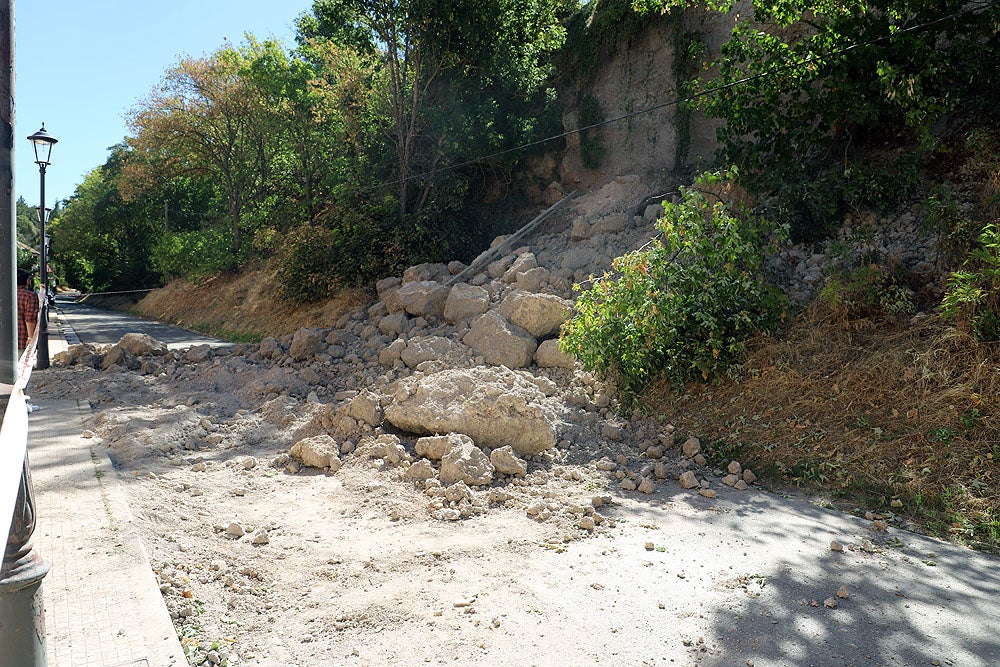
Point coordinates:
pixel 43 142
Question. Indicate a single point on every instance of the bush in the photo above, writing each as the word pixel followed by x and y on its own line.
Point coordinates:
pixel 682 308
pixel 973 295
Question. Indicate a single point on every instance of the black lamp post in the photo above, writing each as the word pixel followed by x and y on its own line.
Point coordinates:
pixel 43 142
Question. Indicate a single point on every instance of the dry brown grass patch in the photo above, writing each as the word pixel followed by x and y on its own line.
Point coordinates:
pixel 873 410
pixel 242 306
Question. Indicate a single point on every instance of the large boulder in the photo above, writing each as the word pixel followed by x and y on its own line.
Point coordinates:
pixel 141 345
pixel 320 451
pixel 499 342
pixel 423 272
pixel 366 408
pixel 493 406
pixel 425 348
pixel 464 302
pixel 548 355
pixel 434 447
pixel 541 315
pixel 423 298
pixel 464 462
pixel 307 343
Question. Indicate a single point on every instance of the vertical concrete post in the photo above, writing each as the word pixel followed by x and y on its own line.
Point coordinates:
pixel 22 614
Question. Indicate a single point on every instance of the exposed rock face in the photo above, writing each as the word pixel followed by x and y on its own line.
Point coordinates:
pixel 141 345
pixel 493 406
pixel 540 315
pixel 499 342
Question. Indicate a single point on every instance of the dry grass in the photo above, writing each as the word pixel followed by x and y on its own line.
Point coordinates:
pixel 242 306
pixel 888 416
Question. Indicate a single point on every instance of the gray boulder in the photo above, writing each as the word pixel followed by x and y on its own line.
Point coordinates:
pixel 307 343
pixel 493 406
pixel 548 355
pixel 465 301
pixel 320 451
pixel 425 348
pixel 423 298
pixel 540 315
pixel 499 342
pixel 141 345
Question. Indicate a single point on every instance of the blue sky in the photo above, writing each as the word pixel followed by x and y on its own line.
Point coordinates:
pixel 81 66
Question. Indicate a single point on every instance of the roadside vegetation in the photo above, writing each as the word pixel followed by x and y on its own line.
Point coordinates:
pixel 361 152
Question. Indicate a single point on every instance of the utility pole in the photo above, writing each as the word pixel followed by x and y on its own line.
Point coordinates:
pixel 22 614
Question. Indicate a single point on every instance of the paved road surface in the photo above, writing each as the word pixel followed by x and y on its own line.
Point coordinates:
pixel 97 325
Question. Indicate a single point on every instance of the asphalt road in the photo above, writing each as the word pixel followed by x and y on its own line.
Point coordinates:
pixel 98 325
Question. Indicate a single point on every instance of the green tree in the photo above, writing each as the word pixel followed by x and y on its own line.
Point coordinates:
pixel 209 119
pixel 445 74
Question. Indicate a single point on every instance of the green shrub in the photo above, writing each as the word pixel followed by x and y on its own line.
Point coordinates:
pixel 683 307
pixel 973 295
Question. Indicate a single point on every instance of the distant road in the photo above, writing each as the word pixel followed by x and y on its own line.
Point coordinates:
pixel 97 325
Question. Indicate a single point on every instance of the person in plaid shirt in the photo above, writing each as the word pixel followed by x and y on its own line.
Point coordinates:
pixel 27 309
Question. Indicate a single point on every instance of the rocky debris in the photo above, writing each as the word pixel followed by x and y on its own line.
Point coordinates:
pixel 386 447
pixel 493 406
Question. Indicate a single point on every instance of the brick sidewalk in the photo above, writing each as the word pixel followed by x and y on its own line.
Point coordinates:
pixel 102 603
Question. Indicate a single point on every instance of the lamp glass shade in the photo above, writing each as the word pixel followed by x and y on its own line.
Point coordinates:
pixel 42 142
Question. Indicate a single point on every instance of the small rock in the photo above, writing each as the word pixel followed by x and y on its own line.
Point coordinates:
pixel 880 526
pixel 843 593
pixel 688 480
pixel 830 603
pixel 235 530
pixel 605 464
pixel 749 477
pixel 735 468
pixel 836 546
pixel 691 447
pixel 260 537
pixel 201 466
pixel 627 485
pixel 646 486
pixel 740 485
pixel 708 493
